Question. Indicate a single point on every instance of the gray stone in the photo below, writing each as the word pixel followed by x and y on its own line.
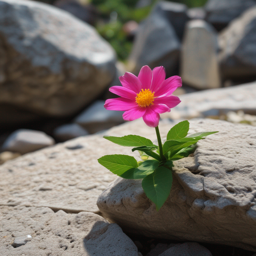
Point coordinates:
pixel 156 44
pixel 24 141
pixel 21 240
pixel 59 233
pixel 97 118
pixel 221 12
pixel 212 197
pixel 237 47
pixel 187 249
pixel 51 63
pixel 176 14
pixel 160 248
pixel 196 13
pixel 69 131
pixel 199 65
pixel 215 102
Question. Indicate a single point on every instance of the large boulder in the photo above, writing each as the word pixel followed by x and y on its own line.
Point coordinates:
pixel 237 48
pixel 216 102
pixel 41 231
pixel 156 43
pixel 199 64
pixel 221 12
pixel 50 62
pixel 212 199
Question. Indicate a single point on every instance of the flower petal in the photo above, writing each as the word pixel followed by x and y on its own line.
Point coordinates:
pixel 151 118
pixel 169 86
pixel 119 104
pixel 130 81
pixel 145 77
pixel 123 92
pixel 160 109
pixel 170 101
pixel 134 113
pixel 158 78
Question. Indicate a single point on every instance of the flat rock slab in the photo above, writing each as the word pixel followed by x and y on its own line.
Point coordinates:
pixel 216 102
pixel 213 198
pixel 60 234
pixel 66 176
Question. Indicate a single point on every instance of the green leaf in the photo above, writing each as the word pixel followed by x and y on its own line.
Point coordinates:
pixel 184 152
pixel 130 141
pixel 174 146
pixel 144 169
pixel 200 135
pixel 178 131
pixel 157 186
pixel 118 164
pixel 148 151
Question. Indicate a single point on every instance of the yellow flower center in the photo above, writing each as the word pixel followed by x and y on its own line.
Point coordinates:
pixel 145 98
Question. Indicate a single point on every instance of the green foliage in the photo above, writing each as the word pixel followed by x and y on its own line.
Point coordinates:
pixel 156 173
pixel 178 131
pixel 157 185
pixel 130 141
pixel 118 164
pixel 144 169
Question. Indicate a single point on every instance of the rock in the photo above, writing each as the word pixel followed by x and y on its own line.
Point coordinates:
pixel 160 248
pixel 215 102
pixel 196 13
pixel 212 198
pixel 66 176
pixel 97 118
pixel 199 65
pixel 24 141
pixel 187 249
pixel 176 14
pixel 21 240
pixel 6 156
pixel 51 63
pixel 86 13
pixel 60 233
pixel 221 12
pixel 156 43
pixel 69 131
pixel 237 52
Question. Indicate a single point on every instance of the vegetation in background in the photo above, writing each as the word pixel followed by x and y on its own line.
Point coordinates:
pixel 115 13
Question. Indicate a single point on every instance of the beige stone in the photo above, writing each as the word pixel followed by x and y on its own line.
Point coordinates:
pixel 212 198
pixel 39 231
pixel 199 65
pixel 215 102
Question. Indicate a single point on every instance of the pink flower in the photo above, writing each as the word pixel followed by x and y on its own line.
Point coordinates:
pixel 147 95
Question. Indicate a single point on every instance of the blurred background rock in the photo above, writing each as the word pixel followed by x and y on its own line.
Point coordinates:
pixel 59 57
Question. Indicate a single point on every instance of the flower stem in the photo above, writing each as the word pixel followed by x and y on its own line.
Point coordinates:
pixel 159 143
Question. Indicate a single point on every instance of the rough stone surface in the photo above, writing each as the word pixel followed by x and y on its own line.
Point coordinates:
pixel 51 63
pixel 52 176
pixel 199 64
pixel 213 198
pixel 59 233
pixel 186 249
pixel 221 12
pixel 215 102
pixel 156 44
pixel 24 141
pixel 237 47
pixel 69 131
pixel 97 118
